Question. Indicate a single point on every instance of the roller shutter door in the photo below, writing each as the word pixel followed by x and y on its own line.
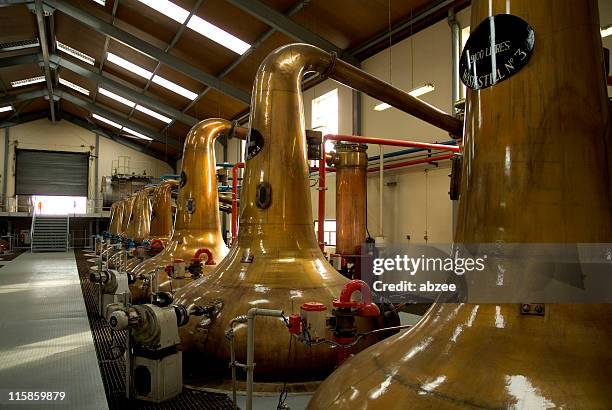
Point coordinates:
pixel 51 173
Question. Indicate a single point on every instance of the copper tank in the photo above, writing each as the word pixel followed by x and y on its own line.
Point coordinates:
pixel 276 262
pixel 197 223
pixel 351 162
pixel 535 170
pixel 140 222
pixel 116 217
pixel 162 210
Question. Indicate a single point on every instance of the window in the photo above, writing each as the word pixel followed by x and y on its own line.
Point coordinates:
pixel 329 231
pixel 59 205
pixel 325 115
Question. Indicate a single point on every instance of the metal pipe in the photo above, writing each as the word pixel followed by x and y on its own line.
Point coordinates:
pixel 321 209
pixel 402 152
pixel 250 365
pixel 391 142
pixel 413 162
pixel 355 78
pixel 235 199
pixel 456 49
pixel 381 168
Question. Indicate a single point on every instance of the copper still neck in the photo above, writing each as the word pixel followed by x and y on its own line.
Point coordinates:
pixel 161 212
pixel 128 204
pixel 140 223
pixel 114 226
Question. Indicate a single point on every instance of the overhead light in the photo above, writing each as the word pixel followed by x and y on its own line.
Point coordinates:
pixel 100 2
pixel 6 108
pixel 217 35
pixel 153 114
pixel 417 92
pixel 199 25
pixel 19 45
pixel 174 87
pixel 137 134
pixel 73 86
pixel 75 53
pixel 106 121
pixel 168 9
pixel 133 68
pixel 606 31
pixel 116 97
pixel 28 81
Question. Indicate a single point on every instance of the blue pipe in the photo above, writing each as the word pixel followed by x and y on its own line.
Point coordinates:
pixel 408 151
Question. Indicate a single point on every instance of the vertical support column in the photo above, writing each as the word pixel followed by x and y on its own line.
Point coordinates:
pixel 456 50
pixel 96 177
pixel 6 167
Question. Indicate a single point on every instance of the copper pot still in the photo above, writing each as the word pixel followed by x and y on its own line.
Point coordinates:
pixel 116 218
pixel 276 262
pixel 535 171
pixel 197 225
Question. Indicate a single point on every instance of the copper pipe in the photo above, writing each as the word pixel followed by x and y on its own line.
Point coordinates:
pixel 392 142
pixel 418 161
pixel 235 199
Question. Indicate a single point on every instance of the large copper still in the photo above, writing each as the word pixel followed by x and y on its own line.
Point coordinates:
pixel 197 225
pixel 128 204
pixel 116 218
pixel 140 221
pixel 276 262
pixel 162 214
pixel 535 171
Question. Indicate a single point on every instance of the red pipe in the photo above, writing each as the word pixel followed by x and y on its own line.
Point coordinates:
pixel 364 307
pixel 413 162
pixel 235 200
pixel 396 143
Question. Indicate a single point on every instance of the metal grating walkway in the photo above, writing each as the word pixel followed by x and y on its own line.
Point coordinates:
pixel 109 344
pixel 46 343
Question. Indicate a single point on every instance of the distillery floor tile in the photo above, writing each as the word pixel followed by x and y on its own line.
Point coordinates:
pixel 46 343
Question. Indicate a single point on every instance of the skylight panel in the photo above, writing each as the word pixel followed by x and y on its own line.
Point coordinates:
pixel 199 25
pixel 28 81
pixel 168 9
pixel 73 86
pixel 218 35
pixel 153 114
pixel 75 53
pixel 131 67
pixel 116 97
pixel 174 87
pixel 100 2
pixel 6 108
pixel 106 121
pixel 137 134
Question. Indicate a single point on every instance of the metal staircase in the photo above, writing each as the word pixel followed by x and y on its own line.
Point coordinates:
pixel 49 233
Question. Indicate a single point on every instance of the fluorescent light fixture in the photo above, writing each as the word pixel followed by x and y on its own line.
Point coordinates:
pixel 28 81
pixel 153 114
pixel 137 134
pixel 217 35
pixel 6 108
pixel 168 9
pixel 75 53
pixel 123 63
pixel 199 25
pixel 100 2
pixel 107 121
pixel 417 92
pixel 131 67
pixel 174 87
pixel 116 97
pixel 73 86
pixel 19 45
pixel 606 31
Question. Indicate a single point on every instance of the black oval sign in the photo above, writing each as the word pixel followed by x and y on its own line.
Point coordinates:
pixel 499 47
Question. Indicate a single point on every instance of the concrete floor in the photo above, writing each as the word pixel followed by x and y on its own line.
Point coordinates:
pixel 46 343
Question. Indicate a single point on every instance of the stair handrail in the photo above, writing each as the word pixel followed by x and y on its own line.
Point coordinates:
pixel 32 230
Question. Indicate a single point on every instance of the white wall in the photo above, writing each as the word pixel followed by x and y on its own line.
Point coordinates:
pixel 66 136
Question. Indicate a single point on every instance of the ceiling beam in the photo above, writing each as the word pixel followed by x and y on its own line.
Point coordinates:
pixel 150 50
pixel 284 24
pixel 95 109
pixel 42 36
pixel 124 91
pixel 20 60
